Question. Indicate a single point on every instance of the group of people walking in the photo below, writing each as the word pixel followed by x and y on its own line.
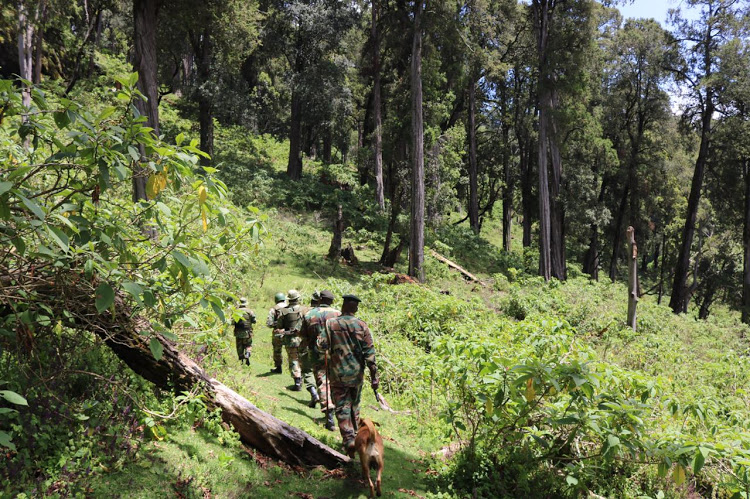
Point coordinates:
pixel 326 348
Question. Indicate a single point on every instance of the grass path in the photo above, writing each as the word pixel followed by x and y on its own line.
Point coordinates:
pixel 195 463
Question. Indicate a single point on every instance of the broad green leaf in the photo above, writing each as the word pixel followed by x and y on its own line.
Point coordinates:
pixel 13 397
pixel 134 153
pixel 33 207
pixel 5 187
pixel 59 237
pixel 179 139
pixel 105 297
pixel 156 348
pixel 180 257
pixel 571 480
pixel 698 461
pixel 218 311
pixel 5 441
pixel 133 288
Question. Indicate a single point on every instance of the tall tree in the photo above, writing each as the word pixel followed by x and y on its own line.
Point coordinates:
pixel 377 136
pixel 702 40
pixel 416 240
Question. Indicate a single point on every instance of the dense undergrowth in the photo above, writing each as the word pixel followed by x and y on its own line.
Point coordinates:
pixel 543 388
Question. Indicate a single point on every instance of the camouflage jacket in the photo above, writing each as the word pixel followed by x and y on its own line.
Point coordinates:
pixel 273 314
pixel 243 327
pixel 314 324
pixel 349 342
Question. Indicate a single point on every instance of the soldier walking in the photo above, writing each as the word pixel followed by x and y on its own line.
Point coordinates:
pixel 289 324
pixel 276 338
pixel 243 332
pixel 313 325
pixel 350 348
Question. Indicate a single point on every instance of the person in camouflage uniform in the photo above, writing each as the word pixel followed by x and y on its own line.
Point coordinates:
pixel 306 365
pixel 313 325
pixel 243 332
pixel 350 348
pixel 276 338
pixel 289 325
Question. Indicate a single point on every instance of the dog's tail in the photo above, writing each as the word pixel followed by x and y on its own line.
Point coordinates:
pixel 371 429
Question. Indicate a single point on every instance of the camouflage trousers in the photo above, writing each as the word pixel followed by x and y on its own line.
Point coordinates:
pixel 347 410
pixel 323 389
pixel 244 344
pixel 292 354
pixel 277 344
pixel 306 366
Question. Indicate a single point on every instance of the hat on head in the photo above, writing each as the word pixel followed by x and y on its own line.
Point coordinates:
pixel 315 296
pixel 293 295
pixel 326 295
pixel 351 298
pixel 243 302
pixel 279 297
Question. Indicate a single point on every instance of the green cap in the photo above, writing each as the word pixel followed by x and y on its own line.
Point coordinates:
pixel 243 302
pixel 351 298
pixel 293 295
pixel 326 295
pixel 279 297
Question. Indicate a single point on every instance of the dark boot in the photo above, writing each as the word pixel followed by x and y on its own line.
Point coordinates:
pixel 314 399
pixel 276 370
pixel 297 385
pixel 330 423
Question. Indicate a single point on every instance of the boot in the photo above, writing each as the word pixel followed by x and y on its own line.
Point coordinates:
pixel 314 398
pixel 330 424
pixel 297 385
pixel 276 370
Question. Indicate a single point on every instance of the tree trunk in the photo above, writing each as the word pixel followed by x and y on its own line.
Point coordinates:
pixel 545 255
pixel 294 167
pixel 416 243
pixel 663 266
pixel 541 10
pixel 471 129
pixel 377 115
pixel 145 14
pixel 203 49
pixel 746 248
pixel 25 48
pixel 557 212
pixel 507 190
pixel 338 229
pixel 632 278
pixel 527 203
pixel 39 45
pixel 616 242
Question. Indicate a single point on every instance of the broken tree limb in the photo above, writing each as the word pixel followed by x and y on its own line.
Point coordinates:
pixel 456 266
pixel 130 337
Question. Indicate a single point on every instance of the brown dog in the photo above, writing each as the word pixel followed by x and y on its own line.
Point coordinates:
pixel 369 446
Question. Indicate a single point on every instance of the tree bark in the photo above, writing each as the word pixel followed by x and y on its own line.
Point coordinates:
pixel 294 167
pixel 145 14
pixel 416 243
pixel 618 225
pixel 203 49
pixel 471 129
pixel 334 251
pixel 541 10
pixel 377 115
pixel 746 248
pixel 507 190
pixel 39 45
pixel 25 48
pixel 632 278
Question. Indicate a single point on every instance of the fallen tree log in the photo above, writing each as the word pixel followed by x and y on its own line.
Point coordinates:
pixel 456 266
pixel 130 336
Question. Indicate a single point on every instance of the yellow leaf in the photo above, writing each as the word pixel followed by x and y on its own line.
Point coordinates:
pixel 205 221
pixel 678 475
pixel 152 187
pixel 530 392
pixel 202 194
